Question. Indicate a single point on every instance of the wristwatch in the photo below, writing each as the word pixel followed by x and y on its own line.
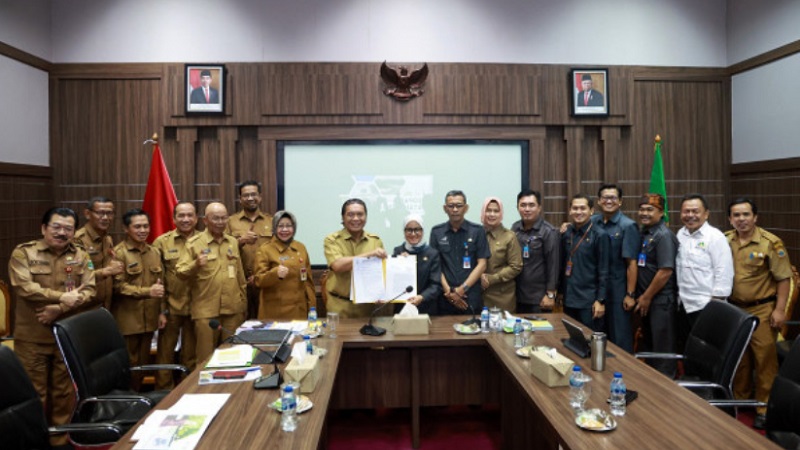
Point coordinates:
pixel 631 295
pixel 465 287
pixel 602 301
pixel 551 295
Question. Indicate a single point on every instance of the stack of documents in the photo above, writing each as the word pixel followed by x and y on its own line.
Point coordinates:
pixel 235 356
pixel 181 426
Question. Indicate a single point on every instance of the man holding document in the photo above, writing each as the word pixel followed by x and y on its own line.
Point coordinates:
pixel 341 247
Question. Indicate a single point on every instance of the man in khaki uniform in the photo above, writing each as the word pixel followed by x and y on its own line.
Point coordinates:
pixel 762 274
pixel 212 265
pixel 251 228
pixel 95 240
pixel 175 320
pixel 340 249
pixel 137 290
pixel 51 278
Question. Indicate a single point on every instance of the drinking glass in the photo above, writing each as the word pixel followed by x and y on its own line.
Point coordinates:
pixel 333 323
pixel 494 319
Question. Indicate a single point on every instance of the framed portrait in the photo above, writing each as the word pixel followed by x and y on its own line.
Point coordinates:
pixel 205 88
pixel 589 89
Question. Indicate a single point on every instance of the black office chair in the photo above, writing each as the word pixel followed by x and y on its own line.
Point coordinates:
pixel 97 360
pixel 713 350
pixel 783 408
pixel 23 425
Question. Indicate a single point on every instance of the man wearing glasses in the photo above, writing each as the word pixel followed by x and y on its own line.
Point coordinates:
pixel 251 228
pixel 51 278
pixel 622 269
pixel 94 238
pixel 464 251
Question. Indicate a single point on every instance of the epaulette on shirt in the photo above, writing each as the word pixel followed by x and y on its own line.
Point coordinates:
pixel 777 243
pixel 27 244
pixel 193 238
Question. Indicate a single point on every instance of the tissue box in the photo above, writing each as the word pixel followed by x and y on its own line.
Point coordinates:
pixel 411 324
pixel 551 371
pixel 305 372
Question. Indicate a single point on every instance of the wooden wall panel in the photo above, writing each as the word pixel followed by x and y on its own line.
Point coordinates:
pixel 100 123
pixel 690 117
pixel 26 192
pixel 775 189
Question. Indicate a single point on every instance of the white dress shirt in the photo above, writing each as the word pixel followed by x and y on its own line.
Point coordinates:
pixel 704 267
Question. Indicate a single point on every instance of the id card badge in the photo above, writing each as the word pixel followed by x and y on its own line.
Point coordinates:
pixel 568 269
pixel 467 264
pixel 231 271
pixel 303 274
pixel 642 261
pixel 526 252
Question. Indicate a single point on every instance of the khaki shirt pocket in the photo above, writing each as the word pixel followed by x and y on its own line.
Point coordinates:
pixel 134 271
pixel 41 269
pixel 171 254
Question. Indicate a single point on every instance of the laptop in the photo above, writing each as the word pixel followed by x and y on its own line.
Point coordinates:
pixel 266 337
pixel 577 341
pixel 263 336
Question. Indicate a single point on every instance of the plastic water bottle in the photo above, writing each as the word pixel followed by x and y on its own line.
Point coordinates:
pixel 485 319
pixel 312 319
pixel 518 339
pixel 309 346
pixel 577 396
pixel 618 391
pixel 289 409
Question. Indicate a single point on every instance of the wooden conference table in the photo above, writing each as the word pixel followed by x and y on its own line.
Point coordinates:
pixel 444 368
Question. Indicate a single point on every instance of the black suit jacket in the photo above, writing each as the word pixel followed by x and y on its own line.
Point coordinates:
pixel 595 98
pixel 198 96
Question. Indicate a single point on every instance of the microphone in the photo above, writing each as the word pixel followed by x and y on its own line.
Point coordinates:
pixel 271 381
pixel 371 330
pixel 474 319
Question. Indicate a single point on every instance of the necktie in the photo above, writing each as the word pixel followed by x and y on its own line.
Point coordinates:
pixel 206 91
pixel 586 98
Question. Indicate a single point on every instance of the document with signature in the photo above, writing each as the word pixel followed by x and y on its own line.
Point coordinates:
pixel 383 279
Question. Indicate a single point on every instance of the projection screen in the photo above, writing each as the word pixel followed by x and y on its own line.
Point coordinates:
pixel 394 178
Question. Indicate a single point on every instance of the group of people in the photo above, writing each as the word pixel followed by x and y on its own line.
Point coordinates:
pixel 181 283
pixel 602 267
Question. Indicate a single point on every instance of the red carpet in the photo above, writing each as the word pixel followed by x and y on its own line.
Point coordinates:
pixel 390 429
pixel 440 428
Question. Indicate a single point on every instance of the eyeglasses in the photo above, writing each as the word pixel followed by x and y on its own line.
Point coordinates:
pixel 103 213
pixel 56 227
pixel 454 205
pixel 413 230
pixel 609 198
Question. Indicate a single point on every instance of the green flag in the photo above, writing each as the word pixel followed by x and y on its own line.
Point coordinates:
pixel 658 183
